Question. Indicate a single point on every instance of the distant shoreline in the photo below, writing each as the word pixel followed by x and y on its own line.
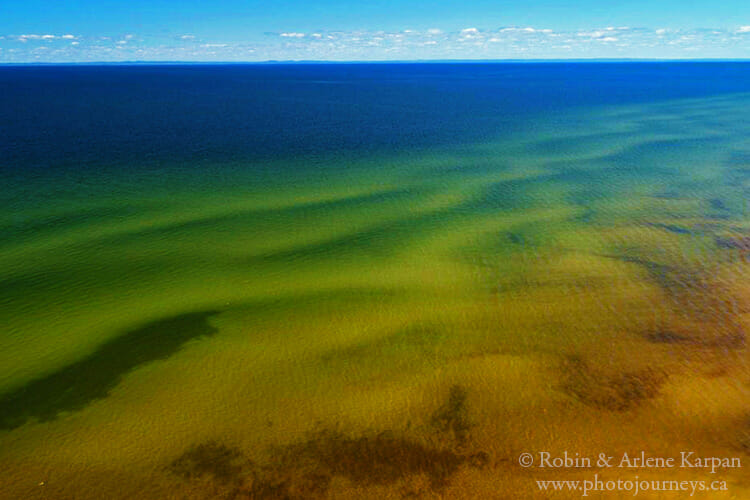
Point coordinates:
pixel 414 61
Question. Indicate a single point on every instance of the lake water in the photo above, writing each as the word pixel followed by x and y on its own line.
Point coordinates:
pixel 370 280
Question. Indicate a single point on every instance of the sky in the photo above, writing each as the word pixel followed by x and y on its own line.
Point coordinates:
pixel 233 30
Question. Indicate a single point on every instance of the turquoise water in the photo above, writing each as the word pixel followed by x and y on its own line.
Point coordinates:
pixel 368 281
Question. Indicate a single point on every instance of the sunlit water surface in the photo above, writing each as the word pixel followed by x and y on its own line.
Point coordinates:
pixel 372 321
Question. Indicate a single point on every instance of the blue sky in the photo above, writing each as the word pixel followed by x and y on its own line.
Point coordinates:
pixel 232 30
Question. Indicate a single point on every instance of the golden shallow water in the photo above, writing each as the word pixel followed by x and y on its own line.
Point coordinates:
pixel 406 328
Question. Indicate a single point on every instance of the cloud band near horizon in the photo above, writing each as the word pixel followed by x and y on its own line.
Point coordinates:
pixel 511 42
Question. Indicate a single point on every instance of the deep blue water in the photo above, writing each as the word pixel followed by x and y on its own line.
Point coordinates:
pixel 248 254
pixel 65 117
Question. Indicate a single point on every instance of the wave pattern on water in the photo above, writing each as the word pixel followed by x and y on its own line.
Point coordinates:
pixel 385 325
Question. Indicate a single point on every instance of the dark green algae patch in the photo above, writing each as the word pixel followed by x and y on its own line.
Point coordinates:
pixel 73 387
pixel 76 385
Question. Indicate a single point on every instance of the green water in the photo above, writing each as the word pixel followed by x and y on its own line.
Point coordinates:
pixel 581 284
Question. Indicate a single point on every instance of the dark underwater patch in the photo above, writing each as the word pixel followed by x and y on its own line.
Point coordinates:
pixel 516 239
pixel 666 337
pixel 374 460
pixel 742 244
pixel 619 392
pixel 660 273
pixel 726 335
pixel 262 218
pixel 223 463
pixel 25 228
pixel 649 155
pixel 718 204
pixel 452 417
pixel 670 227
pixel 490 249
pixel 382 240
pixel 306 469
pixel 472 166
pixel 76 385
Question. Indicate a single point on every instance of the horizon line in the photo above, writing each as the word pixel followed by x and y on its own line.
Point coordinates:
pixel 375 61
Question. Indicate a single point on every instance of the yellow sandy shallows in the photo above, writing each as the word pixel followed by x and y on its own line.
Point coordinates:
pixel 410 330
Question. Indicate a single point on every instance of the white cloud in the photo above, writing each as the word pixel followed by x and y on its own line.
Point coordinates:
pixel 472 42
